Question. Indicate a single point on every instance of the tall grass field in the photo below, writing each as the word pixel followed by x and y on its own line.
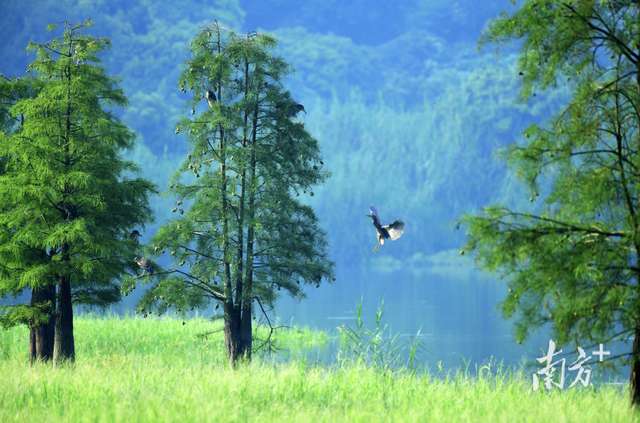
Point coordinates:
pixel 132 369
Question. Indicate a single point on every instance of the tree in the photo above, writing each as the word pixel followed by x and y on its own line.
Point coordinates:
pixel 246 236
pixel 41 311
pixel 573 264
pixel 67 195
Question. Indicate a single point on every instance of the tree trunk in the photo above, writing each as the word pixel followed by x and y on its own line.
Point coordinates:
pixel 41 336
pixel 241 299
pixel 634 380
pixel 246 329
pixel 231 325
pixel 32 342
pixel 63 347
pixel 64 350
pixel 232 339
pixel 246 337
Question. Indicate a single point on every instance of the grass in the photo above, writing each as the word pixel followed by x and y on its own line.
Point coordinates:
pixel 144 370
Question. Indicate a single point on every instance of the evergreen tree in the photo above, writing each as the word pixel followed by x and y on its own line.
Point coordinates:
pixel 574 265
pixel 245 236
pixel 41 311
pixel 67 194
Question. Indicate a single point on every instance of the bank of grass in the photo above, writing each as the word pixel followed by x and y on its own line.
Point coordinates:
pixel 144 370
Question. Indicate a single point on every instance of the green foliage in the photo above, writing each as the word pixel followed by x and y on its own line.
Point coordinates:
pixel 335 46
pixel 328 62
pixel 412 84
pixel 68 196
pixel 148 40
pixel 244 235
pixel 13 90
pixel 573 264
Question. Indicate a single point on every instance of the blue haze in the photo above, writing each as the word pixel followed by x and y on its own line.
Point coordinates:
pixel 409 115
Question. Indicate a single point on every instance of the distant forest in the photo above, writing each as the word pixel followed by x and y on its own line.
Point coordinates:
pixel 408 112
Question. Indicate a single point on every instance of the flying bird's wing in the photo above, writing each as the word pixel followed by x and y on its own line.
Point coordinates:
pixel 375 214
pixel 395 229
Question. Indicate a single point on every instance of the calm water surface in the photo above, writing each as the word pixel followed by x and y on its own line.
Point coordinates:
pixel 453 308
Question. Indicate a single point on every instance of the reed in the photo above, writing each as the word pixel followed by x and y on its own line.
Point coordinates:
pixel 144 370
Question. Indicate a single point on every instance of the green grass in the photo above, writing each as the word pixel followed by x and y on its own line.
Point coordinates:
pixel 157 370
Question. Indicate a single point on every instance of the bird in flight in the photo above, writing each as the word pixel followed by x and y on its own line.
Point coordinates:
pixel 393 230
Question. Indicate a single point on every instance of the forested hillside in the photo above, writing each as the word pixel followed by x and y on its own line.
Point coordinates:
pixel 407 111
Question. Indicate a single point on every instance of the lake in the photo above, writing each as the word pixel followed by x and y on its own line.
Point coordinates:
pixel 452 307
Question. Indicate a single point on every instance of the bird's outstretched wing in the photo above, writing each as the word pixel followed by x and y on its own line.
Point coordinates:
pixel 375 214
pixel 395 229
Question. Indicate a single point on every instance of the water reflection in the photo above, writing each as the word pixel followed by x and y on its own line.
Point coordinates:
pixel 452 308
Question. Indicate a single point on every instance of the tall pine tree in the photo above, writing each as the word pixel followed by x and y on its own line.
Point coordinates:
pixel 245 235
pixel 68 196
